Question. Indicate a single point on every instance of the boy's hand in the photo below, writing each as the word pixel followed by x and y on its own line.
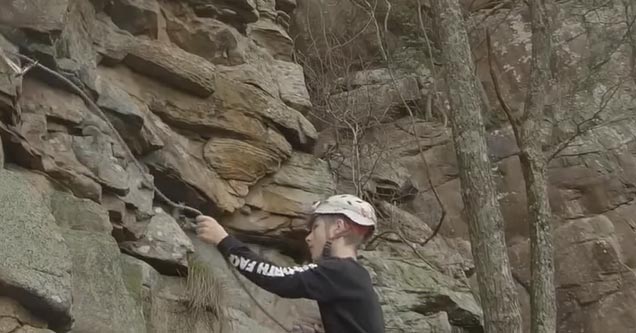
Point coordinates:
pixel 209 230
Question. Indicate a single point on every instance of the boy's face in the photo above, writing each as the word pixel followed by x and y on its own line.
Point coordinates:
pixel 318 236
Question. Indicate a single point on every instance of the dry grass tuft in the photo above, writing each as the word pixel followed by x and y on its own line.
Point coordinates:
pixel 206 293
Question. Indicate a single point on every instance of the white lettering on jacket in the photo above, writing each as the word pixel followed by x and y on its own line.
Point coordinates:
pixel 266 269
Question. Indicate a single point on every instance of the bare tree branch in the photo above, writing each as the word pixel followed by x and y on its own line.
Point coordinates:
pixel 416 136
pixel 514 122
pixel 586 125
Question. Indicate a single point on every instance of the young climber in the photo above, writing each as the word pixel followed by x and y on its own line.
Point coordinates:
pixel 341 286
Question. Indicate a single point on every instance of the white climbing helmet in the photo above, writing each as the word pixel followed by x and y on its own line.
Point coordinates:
pixel 356 209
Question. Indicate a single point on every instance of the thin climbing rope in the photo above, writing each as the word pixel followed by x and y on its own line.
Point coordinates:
pixel 98 111
pixel 181 207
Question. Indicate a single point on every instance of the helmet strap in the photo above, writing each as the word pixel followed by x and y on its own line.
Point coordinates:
pixel 326 249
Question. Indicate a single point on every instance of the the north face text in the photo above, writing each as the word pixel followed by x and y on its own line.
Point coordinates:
pixel 266 269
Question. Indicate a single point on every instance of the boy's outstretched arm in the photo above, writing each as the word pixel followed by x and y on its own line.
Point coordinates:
pixel 308 281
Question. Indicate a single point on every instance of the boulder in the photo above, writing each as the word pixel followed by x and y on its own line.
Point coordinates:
pixel 55 160
pixel 439 251
pixel 163 244
pixel 111 42
pixel 117 102
pixel 38 15
pixel 204 116
pixel 242 160
pixel 57 104
pixel 390 162
pixel 8 80
pixel 306 172
pixel 141 193
pixel 250 100
pixel 182 159
pixel 413 322
pixel 95 153
pixel 511 52
pixel 381 102
pixel 172 65
pixel 75 213
pixel 89 157
pixel 235 108
pixel 596 175
pixel 281 199
pixel 265 6
pixel 271 36
pixel 101 300
pixel 410 287
pixel 586 249
pixel 302 180
pixel 426 207
pixel 256 73
pixel 115 206
pixel 74 52
pixel 287 6
pixel 54 32
pixel 364 78
pixel 182 110
pixel 127 114
pixel 211 39
pixel 14 315
pixel 139 277
pixel 291 85
pixel 624 220
pixel 237 13
pixel 41 280
pixel 266 225
pixel 277 205
pixel 139 17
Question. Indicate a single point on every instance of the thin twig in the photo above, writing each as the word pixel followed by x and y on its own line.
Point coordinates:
pixel 402 238
pixel 514 122
pixel 419 145
pixel 582 128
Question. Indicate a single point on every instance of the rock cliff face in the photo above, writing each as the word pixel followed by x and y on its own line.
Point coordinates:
pixel 591 181
pixel 206 95
pixel 245 110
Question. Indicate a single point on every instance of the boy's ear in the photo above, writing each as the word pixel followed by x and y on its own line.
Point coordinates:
pixel 342 224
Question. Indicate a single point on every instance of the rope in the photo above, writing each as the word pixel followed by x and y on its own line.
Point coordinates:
pixel 180 207
pixel 95 109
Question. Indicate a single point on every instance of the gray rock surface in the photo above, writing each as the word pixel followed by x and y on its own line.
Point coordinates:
pixel 79 214
pixel 40 15
pixel 163 244
pixel 408 288
pixel 36 263
pixel 101 301
pixel 139 17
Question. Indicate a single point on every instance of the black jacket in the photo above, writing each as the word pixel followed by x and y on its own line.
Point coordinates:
pixel 342 287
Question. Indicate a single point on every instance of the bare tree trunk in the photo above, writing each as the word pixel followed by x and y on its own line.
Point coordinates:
pixel 533 164
pixel 496 285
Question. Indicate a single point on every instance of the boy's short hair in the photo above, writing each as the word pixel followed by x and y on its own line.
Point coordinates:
pixel 358 234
